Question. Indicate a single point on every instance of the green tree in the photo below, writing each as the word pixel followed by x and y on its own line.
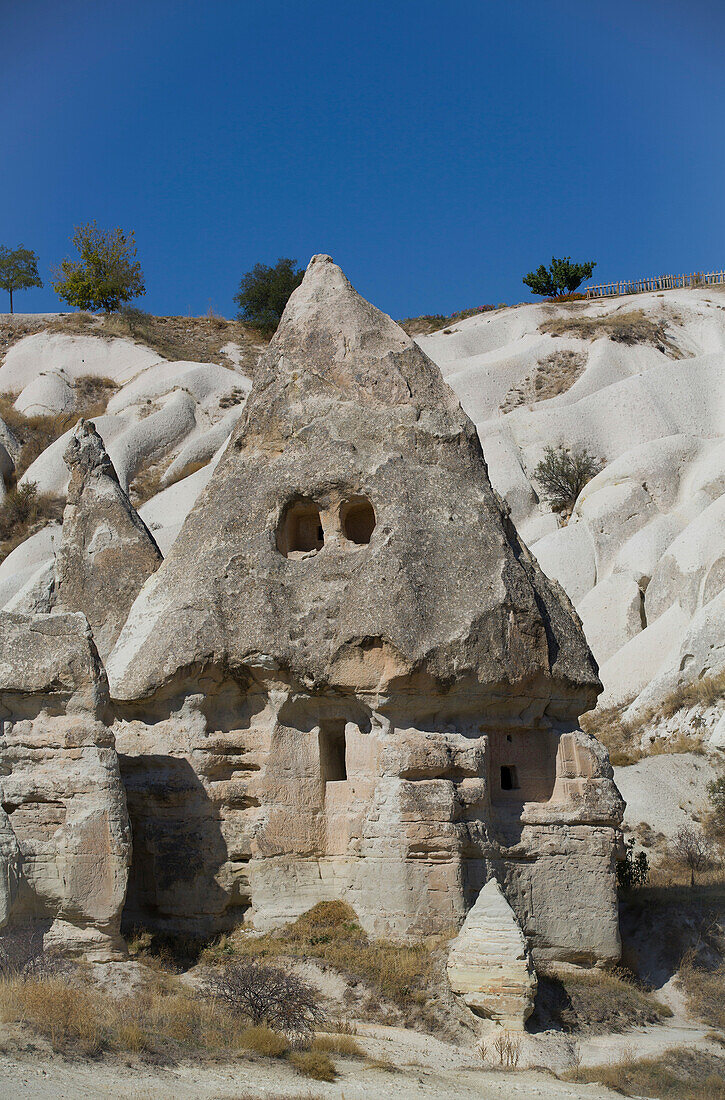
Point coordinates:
pixel 18 270
pixel 561 277
pixel 107 273
pixel 264 292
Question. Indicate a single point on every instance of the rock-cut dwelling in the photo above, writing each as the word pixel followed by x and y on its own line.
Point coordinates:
pixel 349 678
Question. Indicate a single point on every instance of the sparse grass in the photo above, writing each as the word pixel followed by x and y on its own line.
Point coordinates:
pixel 163 1019
pixel 196 339
pixel 705 991
pixel 147 482
pixel 164 951
pixel 433 322
pixel 186 471
pixel 382 1064
pixel 623 737
pixel 330 932
pixel 679 1074
pixel 552 376
pixel 192 339
pixel 23 512
pixel 596 1001
pixel 36 433
pixel 623 328
pixel 313 1063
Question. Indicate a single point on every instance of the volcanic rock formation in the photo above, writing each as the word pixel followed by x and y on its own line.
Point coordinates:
pixel 106 551
pixel 350 678
pixel 64 834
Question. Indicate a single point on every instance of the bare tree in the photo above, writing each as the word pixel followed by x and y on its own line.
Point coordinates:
pixel 692 847
pixel 266 994
pixel 24 955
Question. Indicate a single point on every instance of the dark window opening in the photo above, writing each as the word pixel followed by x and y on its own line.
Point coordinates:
pixel 358 520
pixel 333 767
pixel 301 529
pixel 509 778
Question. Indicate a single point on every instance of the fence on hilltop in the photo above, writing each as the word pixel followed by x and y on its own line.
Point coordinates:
pixel 661 282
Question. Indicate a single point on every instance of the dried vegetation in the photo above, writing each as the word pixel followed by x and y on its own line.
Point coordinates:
pixel 595 1002
pixel 552 376
pixel 623 328
pixel 196 339
pixel 623 736
pixel 679 1074
pixel 434 322
pixel 401 972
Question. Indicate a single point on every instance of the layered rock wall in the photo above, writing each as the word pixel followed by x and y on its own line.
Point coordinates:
pixel 65 843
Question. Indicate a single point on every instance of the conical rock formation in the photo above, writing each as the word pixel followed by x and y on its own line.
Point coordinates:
pixel 350 679
pixel 489 964
pixel 106 551
pixel 349 425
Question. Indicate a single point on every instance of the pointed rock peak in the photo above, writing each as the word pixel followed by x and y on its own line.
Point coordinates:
pixel 106 551
pixel 489 964
pixel 86 455
pixel 329 335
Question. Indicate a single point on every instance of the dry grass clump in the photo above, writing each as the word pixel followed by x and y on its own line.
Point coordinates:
pixel 36 433
pixel 623 736
pixel 330 932
pixel 623 328
pixel 23 512
pixel 679 1074
pixel 313 1063
pixel 263 1040
pixel 186 471
pixel 596 1001
pixel 332 1043
pixel 147 482
pixel 552 376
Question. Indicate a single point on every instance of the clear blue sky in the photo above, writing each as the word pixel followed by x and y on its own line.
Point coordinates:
pixel 437 151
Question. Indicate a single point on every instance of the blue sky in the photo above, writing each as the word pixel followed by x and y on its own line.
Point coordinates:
pixel 436 151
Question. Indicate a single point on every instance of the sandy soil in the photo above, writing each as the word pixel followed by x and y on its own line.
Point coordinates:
pixel 47 1078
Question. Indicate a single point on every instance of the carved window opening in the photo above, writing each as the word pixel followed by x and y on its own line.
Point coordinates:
pixel 357 518
pixel 301 530
pixel 509 778
pixel 333 765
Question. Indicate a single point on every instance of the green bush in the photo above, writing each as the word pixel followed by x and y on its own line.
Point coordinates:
pixel 563 473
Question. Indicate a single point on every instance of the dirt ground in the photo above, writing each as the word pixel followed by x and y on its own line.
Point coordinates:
pixel 427 1070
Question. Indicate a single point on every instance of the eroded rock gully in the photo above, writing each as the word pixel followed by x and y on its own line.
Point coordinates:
pixel 349 679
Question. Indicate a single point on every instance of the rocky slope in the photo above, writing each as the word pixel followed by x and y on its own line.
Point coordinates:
pixel 641 385
pixel 639 381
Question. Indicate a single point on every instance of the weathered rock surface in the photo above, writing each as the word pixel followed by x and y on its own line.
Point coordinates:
pixel 349 678
pixel 489 963
pixel 347 413
pixel 66 862
pixel 106 551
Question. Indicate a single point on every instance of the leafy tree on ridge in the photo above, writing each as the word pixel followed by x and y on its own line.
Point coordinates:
pixel 264 291
pixel 18 270
pixel 107 273
pixel 561 277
